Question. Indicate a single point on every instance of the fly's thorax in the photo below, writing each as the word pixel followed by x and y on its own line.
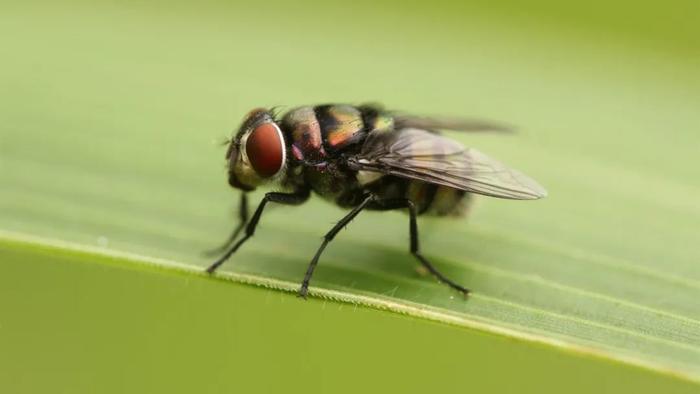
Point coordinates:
pixel 376 119
pixel 342 125
pixel 304 132
pixel 318 133
pixel 332 183
pixel 365 178
pixel 257 154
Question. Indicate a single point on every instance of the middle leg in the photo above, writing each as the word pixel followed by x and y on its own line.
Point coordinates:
pixel 328 238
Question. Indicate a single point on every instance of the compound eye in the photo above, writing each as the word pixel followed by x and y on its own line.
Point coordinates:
pixel 265 149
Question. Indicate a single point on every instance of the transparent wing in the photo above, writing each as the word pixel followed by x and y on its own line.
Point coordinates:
pixel 418 154
pixel 445 123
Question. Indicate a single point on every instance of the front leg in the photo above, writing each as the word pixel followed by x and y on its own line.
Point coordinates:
pixel 242 220
pixel 295 198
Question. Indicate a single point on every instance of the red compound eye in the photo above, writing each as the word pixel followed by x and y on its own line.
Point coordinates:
pixel 265 149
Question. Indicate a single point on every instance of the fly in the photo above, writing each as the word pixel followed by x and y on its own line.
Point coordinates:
pixel 363 157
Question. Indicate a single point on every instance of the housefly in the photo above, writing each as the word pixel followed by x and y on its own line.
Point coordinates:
pixel 363 157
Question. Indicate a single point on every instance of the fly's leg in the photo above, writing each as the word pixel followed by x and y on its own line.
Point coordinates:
pixel 328 238
pixel 413 230
pixel 281 198
pixel 242 220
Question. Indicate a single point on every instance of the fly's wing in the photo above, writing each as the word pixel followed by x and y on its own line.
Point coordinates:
pixel 444 123
pixel 421 155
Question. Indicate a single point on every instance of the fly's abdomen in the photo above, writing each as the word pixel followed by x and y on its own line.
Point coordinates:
pixel 449 202
pixel 429 198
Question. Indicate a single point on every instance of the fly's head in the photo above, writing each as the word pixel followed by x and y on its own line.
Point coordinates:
pixel 257 154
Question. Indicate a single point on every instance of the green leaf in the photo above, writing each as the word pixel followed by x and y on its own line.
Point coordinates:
pixel 112 118
pixel 82 322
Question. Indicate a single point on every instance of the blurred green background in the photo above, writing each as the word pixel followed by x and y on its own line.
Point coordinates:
pixel 112 115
